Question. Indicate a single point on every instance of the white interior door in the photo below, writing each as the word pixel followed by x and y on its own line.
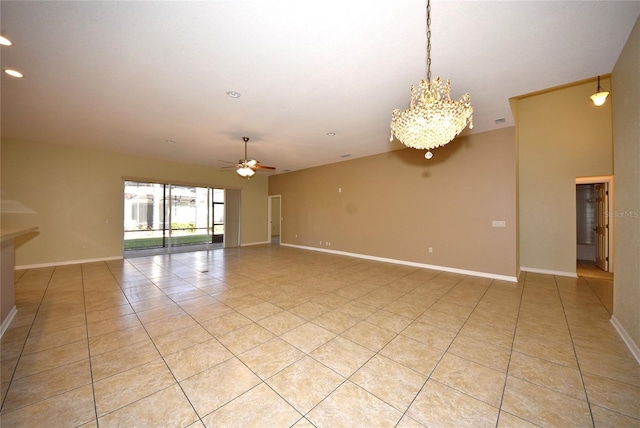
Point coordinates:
pixel 602 226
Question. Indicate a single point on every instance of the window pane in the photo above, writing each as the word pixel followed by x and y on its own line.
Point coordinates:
pixel 218 213
pixel 185 215
pixel 218 195
pixel 143 215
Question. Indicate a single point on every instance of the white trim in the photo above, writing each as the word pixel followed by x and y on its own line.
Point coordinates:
pixel 68 262
pixel 250 244
pixel 549 272
pixel 7 321
pixel 408 263
pixel 595 179
pixel 633 347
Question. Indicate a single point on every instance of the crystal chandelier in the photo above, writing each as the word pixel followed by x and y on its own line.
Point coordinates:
pixel 432 119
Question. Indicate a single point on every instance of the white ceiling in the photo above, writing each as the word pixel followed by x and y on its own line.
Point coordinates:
pixel 128 76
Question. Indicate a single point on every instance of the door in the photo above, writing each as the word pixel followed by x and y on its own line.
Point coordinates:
pixel 602 226
pixel 274 219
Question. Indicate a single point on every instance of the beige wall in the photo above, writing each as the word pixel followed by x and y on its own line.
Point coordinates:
pixel 561 136
pixel 626 141
pixel 71 193
pixel 396 205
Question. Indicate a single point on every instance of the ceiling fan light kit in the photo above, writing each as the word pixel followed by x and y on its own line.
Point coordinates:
pixel 245 172
pixel 432 119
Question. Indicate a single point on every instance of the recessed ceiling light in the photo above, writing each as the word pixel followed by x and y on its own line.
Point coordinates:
pixel 345 155
pixel 500 120
pixel 4 41
pixel 233 94
pixel 331 134
pixel 170 142
pixel 13 73
pixel 286 170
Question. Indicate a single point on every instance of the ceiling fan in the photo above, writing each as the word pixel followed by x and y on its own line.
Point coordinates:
pixel 247 167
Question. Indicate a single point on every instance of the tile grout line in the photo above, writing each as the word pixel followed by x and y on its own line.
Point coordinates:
pixel 513 341
pixel 573 347
pixel 86 323
pixel 15 369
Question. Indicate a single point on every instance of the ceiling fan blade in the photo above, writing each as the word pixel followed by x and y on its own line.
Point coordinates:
pixel 272 168
pixel 224 161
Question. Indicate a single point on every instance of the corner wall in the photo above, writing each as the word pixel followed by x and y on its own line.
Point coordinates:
pixel 626 142
pixel 561 136
pixel 70 194
pixel 398 204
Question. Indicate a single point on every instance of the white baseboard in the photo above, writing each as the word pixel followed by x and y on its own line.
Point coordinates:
pixel 7 322
pixel 69 262
pixel 408 263
pixel 549 272
pixel 249 244
pixel 633 347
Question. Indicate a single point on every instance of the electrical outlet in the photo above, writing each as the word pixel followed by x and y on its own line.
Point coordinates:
pixel 320 242
pixel 498 223
pixel 431 249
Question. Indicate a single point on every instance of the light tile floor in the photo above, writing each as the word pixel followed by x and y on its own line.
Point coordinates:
pixel 599 281
pixel 274 336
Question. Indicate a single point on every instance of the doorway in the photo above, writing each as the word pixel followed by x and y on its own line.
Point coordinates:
pixel 275 219
pixel 592 224
pixel 594 232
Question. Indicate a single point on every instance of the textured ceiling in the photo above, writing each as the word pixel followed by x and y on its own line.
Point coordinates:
pixel 128 76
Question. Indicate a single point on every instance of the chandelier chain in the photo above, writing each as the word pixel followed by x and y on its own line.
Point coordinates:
pixel 428 41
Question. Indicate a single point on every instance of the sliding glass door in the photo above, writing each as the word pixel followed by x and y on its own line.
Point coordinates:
pixel 160 215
